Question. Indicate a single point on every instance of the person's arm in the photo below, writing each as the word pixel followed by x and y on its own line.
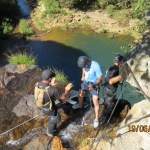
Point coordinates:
pixel 83 74
pixel 65 94
pixel 115 79
pixel 99 81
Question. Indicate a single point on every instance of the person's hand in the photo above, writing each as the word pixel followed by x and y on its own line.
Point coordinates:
pixel 68 87
pixel 124 70
pixel 82 79
pixel 90 87
pixel 53 83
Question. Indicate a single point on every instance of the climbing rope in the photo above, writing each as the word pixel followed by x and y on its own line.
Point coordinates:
pixel 116 103
pixel 1 135
pixel 103 133
pixel 108 118
pixel 138 84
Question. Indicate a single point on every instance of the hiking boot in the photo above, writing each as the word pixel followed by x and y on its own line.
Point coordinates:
pixel 55 132
pixel 96 123
pixel 49 134
pixel 76 106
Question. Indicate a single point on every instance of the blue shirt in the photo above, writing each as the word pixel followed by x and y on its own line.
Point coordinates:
pixel 92 72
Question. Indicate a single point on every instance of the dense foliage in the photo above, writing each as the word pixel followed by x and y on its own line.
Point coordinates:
pixel 25 28
pixel 9 12
pixel 137 8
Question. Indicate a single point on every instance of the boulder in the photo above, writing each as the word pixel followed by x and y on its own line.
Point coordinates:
pixel 15 83
pixel 127 138
pixel 44 142
pixel 27 107
pixel 138 60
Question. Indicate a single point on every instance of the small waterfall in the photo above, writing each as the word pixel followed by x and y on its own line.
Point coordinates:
pixel 25 9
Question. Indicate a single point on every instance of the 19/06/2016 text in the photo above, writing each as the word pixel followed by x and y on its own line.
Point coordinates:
pixel 139 128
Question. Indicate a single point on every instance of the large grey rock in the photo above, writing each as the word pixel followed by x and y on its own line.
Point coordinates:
pixel 127 140
pixel 139 62
pixel 27 107
pixel 19 68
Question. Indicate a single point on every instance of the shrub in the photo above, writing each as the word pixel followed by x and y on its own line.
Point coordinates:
pixel 103 30
pixel 60 76
pixel 66 26
pixel 6 26
pixel 110 9
pixel 127 48
pixel 121 15
pixel 141 26
pixel 138 9
pixel 64 12
pixel 21 58
pixel 24 28
pixel 112 36
pixel 52 6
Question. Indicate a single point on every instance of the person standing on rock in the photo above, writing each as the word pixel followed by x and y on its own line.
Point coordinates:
pixel 48 98
pixel 91 77
pixel 112 80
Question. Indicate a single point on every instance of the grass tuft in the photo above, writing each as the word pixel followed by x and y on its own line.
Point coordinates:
pixel 60 75
pixel 21 58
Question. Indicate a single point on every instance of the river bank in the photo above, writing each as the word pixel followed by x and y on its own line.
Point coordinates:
pixel 97 20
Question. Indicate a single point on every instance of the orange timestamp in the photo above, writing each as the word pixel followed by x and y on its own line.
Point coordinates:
pixel 139 128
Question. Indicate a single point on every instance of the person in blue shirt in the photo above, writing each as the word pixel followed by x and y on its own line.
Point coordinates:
pixel 92 78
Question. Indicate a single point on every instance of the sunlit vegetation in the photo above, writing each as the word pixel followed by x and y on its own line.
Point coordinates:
pixel 25 28
pixel 6 26
pixel 9 14
pixel 60 75
pixel 118 9
pixel 21 58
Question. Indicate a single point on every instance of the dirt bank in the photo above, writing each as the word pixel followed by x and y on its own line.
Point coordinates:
pixel 98 20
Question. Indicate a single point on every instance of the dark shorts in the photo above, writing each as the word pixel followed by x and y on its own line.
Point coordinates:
pixel 109 96
pixel 85 87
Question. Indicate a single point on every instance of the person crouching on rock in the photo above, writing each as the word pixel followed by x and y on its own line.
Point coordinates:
pixel 45 97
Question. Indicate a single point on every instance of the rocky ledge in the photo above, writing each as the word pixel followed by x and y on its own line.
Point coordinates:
pixel 18 106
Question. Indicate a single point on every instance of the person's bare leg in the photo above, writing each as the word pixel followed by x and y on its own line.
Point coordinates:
pixel 96 106
pixel 80 97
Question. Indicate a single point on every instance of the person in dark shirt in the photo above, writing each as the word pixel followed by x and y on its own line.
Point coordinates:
pixel 112 79
pixel 54 94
